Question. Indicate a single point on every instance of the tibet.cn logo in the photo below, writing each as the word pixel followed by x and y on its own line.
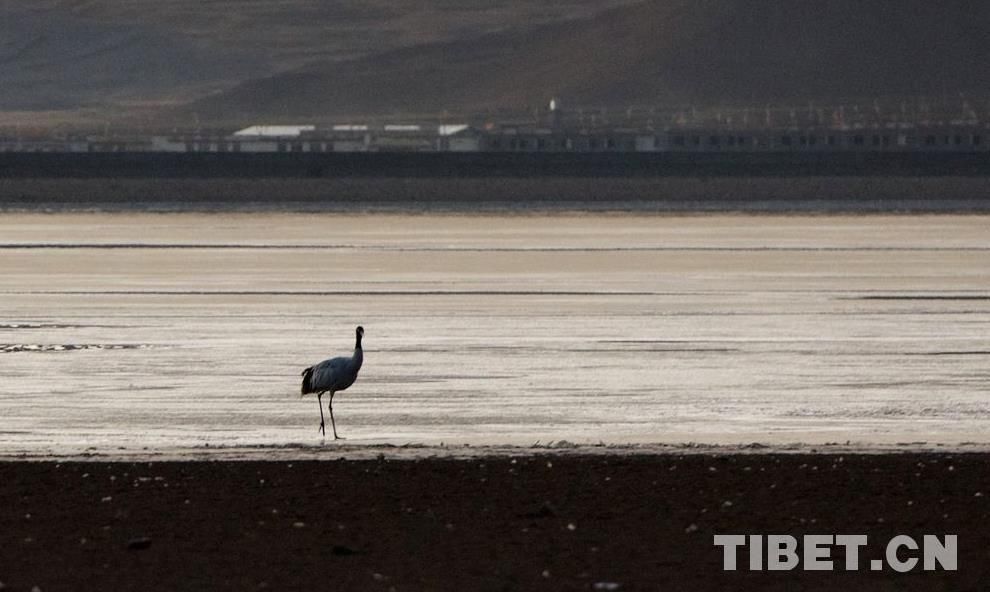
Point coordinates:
pixel 817 552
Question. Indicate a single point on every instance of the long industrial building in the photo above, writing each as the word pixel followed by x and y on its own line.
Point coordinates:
pixel 956 137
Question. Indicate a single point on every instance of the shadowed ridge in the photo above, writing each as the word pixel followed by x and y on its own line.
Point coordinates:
pixel 672 51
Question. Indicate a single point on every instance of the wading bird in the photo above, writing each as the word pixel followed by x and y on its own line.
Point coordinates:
pixel 333 375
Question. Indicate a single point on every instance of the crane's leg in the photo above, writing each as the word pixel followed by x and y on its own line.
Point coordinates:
pixel 333 424
pixel 319 399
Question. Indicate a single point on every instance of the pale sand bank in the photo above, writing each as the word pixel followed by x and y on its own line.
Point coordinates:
pixel 170 332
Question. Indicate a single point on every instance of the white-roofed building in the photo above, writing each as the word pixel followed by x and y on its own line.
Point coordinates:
pixel 402 127
pixel 458 138
pixel 450 130
pixel 274 131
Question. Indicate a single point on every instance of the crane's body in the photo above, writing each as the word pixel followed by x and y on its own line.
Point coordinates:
pixel 331 376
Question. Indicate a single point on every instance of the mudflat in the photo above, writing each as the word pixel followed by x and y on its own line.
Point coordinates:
pixel 165 332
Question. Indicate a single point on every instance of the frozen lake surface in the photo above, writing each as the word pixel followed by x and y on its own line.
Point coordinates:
pixel 169 331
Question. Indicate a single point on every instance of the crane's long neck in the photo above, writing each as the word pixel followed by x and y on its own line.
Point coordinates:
pixel 358 356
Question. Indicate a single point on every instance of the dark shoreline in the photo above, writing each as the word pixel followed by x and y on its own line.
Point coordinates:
pixel 807 194
pixel 490 165
pixel 538 521
pixel 801 182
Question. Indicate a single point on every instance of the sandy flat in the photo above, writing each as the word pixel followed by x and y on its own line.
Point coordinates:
pixel 154 332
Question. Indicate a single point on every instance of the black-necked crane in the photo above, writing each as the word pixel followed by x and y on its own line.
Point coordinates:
pixel 332 376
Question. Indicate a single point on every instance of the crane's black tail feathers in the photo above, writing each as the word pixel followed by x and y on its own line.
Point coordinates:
pixel 307 384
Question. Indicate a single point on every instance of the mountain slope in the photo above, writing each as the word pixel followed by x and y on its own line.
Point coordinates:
pixel 106 54
pixel 661 51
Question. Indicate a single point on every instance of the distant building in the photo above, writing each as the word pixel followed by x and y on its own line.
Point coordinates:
pixel 538 139
pixel 274 131
pixel 458 138
pixel 38 145
pixel 527 137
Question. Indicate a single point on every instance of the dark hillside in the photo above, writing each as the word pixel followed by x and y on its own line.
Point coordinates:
pixel 708 52
pixel 113 57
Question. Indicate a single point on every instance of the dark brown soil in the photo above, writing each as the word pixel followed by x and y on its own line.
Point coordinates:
pixel 495 523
